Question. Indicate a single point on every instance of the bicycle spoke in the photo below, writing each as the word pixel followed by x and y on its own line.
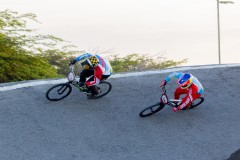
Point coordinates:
pixel 61 92
pixel 152 109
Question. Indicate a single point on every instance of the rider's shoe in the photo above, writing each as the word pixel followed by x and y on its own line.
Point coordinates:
pixel 93 91
pixel 81 85
pixel 90 95
pixel 175 109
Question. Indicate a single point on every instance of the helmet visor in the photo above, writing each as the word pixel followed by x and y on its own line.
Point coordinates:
pixel 186 84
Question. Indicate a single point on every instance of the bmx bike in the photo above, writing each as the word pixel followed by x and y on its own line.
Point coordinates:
pixel 165 101
pixel 62 90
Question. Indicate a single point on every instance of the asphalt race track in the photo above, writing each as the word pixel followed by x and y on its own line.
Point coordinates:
pixel 75 128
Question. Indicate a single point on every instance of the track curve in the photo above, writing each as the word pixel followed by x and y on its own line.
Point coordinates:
pixel 109 128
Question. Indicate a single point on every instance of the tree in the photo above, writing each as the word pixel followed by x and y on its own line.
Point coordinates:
pixel 26 55
pixel 19 65
pixel 135 62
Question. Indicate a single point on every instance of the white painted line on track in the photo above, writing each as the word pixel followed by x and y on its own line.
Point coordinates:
pixel 168 70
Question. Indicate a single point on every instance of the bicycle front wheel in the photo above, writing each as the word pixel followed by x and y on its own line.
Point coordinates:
pixel 58 92
pixel 196 102
pixel 151 109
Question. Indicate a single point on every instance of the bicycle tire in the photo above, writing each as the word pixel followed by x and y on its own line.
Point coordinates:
pixel 197 101
pixel 159 106
pixel 105 88
pixel 64 88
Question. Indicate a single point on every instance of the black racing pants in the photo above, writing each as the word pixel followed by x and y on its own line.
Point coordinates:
pixel 87 73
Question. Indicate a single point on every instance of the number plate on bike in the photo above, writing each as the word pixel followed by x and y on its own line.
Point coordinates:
pixel 164 99
pixel 71 76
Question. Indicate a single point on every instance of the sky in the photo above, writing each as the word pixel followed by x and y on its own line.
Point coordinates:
pixel 171 28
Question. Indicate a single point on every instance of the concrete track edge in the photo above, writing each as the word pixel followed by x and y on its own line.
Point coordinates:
pixel 23 84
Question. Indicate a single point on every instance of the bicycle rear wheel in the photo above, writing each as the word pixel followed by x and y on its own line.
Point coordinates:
pixel 196 102
pixel 151 109
pixel 104 88
pixel 58 92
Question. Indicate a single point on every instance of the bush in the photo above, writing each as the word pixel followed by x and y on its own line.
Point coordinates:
pixel 135 62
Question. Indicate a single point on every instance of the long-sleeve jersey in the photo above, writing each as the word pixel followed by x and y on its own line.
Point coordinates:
pixel 178 75
pixel 103 68
pixel 193 92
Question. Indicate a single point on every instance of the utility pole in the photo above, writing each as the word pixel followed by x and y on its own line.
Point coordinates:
pixel 218 24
